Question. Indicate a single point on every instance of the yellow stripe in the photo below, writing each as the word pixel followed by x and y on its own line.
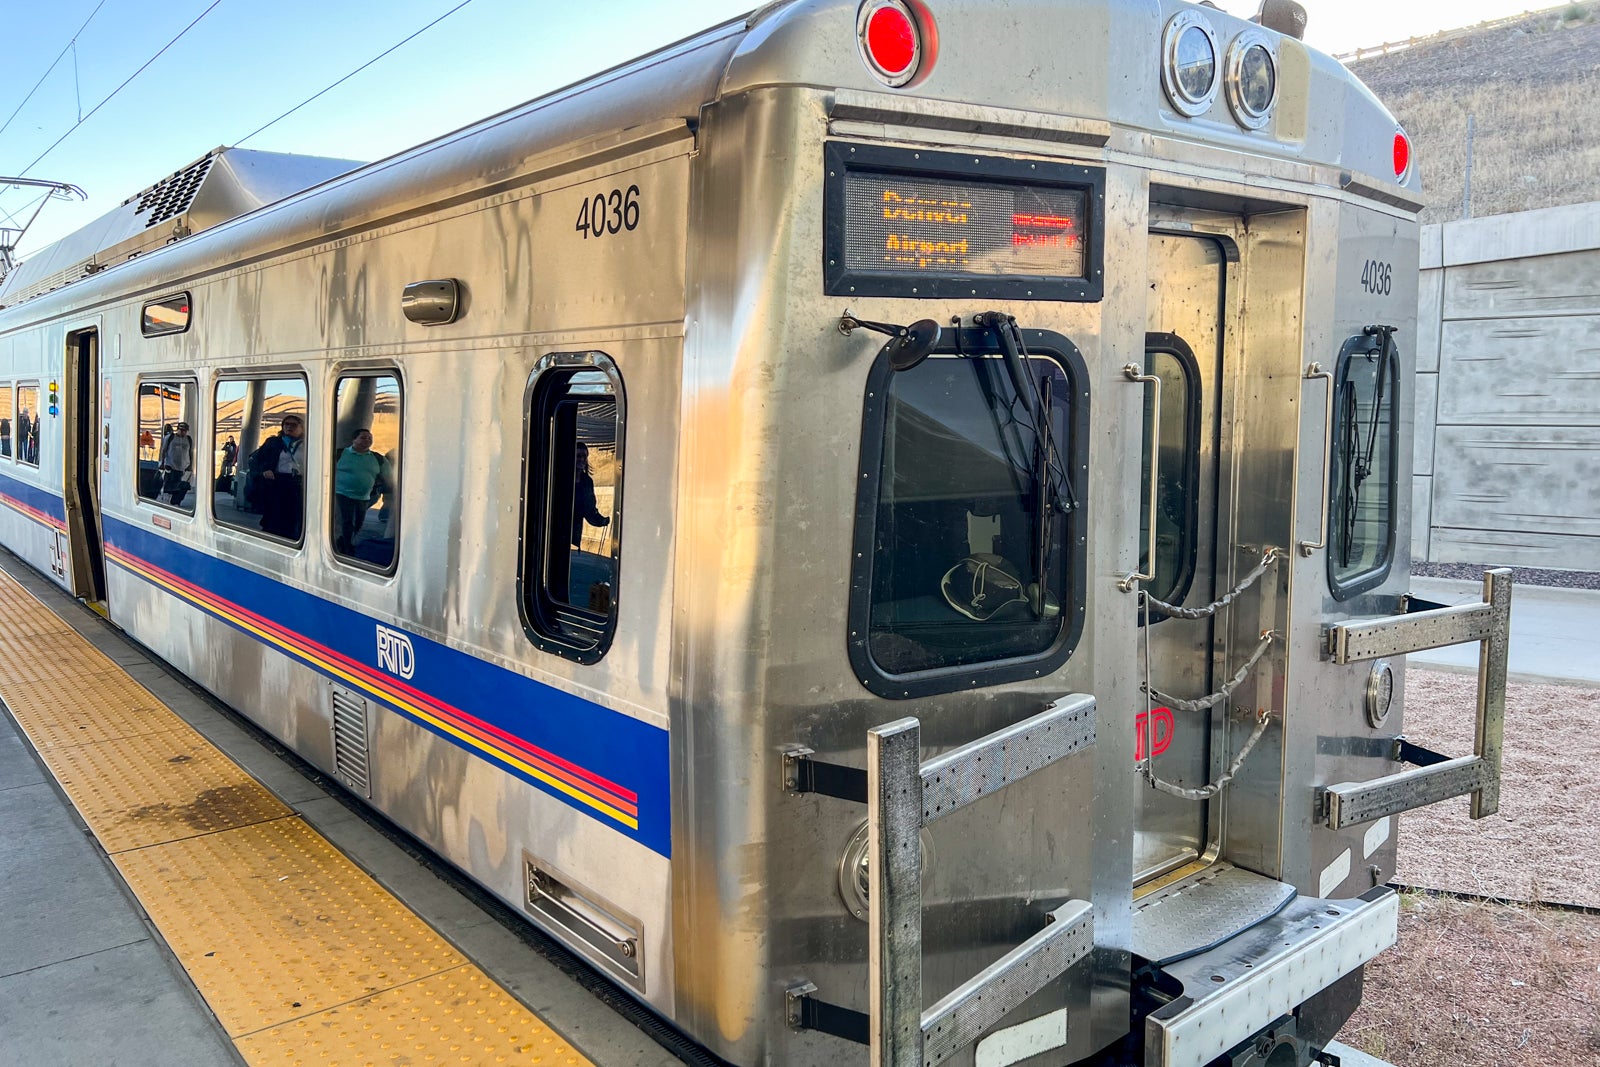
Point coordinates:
pixel 388 697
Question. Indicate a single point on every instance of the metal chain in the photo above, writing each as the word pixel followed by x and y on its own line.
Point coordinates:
pixel 1206 792
pixel 1268 558
pixel 1202 703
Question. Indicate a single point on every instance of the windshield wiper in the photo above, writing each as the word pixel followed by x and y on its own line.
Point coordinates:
pixel 1359 464
pixel 1049 472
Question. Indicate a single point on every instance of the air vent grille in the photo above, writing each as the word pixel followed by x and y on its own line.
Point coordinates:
pixel 350 741
pixel 172 196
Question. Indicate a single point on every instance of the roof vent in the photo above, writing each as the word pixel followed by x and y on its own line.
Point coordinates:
pixel 171 197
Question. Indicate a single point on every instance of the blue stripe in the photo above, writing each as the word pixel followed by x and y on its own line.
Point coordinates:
pixel 618 747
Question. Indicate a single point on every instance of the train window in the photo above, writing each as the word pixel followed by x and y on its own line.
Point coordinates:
pixel 27 425
pixel 258 433
pixel 170 315
pixel 968 533
pixel 5 420
pixel 1169 358
pixel 166 449
pixel 366 465
pixel 573 505
pixel 1362 496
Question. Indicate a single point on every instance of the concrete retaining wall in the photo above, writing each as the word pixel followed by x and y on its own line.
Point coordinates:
pixel 1508 391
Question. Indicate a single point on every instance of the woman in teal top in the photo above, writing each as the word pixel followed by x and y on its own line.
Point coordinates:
pixel 360 475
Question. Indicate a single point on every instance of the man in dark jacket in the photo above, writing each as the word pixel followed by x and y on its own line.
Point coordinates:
pixel 279 465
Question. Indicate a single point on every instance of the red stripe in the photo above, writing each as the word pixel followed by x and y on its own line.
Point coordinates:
pixel 619 796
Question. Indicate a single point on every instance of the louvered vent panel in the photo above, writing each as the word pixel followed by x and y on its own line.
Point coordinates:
pixel 350 741
pixel 170 198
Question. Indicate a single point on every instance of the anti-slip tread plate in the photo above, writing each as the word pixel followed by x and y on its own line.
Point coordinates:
pixel 303 958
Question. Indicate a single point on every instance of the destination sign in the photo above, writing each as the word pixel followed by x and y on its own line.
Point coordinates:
pixel 902 225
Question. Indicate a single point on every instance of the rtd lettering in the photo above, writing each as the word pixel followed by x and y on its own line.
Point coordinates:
pixel 948 212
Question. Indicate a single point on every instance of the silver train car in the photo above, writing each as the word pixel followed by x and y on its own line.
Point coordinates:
pixel 882 526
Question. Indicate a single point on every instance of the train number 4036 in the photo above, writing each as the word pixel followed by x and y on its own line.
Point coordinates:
pixel 609 213
pixel 1375 277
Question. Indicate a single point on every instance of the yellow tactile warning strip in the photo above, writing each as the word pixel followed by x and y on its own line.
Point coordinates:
pixel 302 956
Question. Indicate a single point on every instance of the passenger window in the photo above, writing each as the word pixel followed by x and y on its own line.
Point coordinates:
pixel 1361 510
pixel 968 530
pixel 5 420
pixel 366 466
pixel 574 502
pixel 168 461
pixel 258 434
pixel 27 427
pixel 1169 358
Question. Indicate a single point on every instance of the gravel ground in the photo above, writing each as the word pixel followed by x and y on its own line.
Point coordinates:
pixel 1473 572
pixel 1541 845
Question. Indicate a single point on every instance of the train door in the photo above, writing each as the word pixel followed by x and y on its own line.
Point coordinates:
pixel 1183 347
pixel 84 440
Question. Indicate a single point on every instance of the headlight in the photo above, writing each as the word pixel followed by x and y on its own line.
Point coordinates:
pixel 1189 63
pixel 1252 79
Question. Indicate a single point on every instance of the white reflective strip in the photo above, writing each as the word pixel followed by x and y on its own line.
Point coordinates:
pixel 1376 835
pixel 1333 875
pixel 1016 1043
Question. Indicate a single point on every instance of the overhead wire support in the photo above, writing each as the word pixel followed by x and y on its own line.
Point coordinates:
pixel 71 45
pixel 11 236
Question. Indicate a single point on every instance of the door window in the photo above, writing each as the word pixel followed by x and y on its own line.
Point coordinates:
pixel 1361 515
pixel 1169 358
pixel 169 462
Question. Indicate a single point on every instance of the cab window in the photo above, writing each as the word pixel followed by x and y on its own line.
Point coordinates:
pixel 573 539
pixel 1168 357
pixel 258 434
pixel 969 564
pixel 1362 497
pixel 168 457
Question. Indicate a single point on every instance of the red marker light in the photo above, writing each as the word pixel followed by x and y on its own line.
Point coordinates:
pixel 889 38
pixel 1402 154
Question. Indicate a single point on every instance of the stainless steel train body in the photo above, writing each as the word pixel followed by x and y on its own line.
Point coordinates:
pixel 691 762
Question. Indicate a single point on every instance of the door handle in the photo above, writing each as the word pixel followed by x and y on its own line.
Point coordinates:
pixel 1308 547
pixel 1133 373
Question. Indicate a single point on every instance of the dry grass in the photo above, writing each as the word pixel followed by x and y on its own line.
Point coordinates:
pixel 1541 844
pixel 1533 90
pixel 1483 985
pixel 1477 984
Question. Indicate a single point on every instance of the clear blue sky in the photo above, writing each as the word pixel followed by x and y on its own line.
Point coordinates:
pixel 247 61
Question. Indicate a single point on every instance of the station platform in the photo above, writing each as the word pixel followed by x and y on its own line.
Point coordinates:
pixel 175 889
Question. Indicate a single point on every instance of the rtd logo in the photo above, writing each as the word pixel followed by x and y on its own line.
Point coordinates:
pixel 1161 720
pixel 395 654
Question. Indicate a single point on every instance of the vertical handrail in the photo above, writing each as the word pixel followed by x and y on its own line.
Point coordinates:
pixel 894 907
pixel 1130 581
pixel 1492 655
pixel 1324 490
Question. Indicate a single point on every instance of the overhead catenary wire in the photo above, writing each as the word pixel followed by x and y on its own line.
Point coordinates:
pixel 334 85
pixel 142 68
